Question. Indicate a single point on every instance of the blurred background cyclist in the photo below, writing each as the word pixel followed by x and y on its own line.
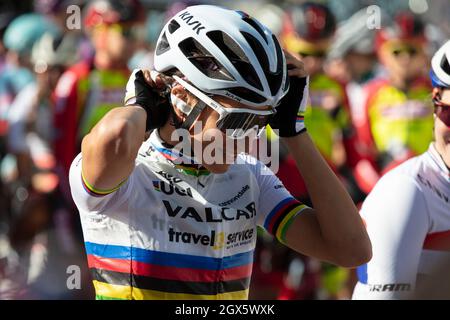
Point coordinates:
pixel 408 212
pixel 396 118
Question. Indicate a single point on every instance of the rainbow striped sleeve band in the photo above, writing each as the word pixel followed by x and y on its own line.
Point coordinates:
pixel 281 217
pixel 90 189
pixel 301 117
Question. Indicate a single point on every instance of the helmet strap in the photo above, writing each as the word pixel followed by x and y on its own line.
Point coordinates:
pixel 193 115
pixel 174 119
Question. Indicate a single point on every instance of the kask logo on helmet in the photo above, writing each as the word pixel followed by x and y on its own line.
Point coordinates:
pixel 187 17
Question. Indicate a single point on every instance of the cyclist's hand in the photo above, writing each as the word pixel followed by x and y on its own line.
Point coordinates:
pixel 295 65
pixel 148 89
pixel 289 119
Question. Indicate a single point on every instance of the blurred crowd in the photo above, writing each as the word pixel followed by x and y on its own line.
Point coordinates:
pixel 65 63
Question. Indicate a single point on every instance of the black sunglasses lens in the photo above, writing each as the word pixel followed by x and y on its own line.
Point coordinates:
pixel 244 121
pixel 410 51
pixel 318 54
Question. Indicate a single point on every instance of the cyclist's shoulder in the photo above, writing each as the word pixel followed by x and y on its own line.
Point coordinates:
pixel 402 196
pixel 323 81
pixel 75 170
pixel 382 84
pixel 407 179
pixel 372 86
pixel 380 91
pixel 409 170
pixel 76 162
pixel 80 69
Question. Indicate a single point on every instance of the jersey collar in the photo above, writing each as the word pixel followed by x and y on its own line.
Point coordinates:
pixel 183 163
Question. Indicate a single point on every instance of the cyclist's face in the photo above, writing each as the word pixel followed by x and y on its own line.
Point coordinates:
pixel 406 60
pixel 228 148
pixel 113 41
pixel 442 131
pixel 213 141
pixel 314 55
pixel 359 64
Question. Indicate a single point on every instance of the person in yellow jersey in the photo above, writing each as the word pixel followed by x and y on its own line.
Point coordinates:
pixel 397 118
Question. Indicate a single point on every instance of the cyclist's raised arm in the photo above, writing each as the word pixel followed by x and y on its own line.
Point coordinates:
pixel 333 230
pixel 110 149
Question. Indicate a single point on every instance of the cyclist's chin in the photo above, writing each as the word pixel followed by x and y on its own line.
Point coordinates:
pixel 217 168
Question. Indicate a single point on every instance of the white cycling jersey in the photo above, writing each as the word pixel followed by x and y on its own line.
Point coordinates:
pixel 407 216
pixel 176 231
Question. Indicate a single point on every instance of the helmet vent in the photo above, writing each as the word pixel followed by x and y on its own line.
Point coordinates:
pixel 258 50
pixel 256 26
pixel 445 65
pixel 163 45
pixel 247 94
pixel 237 57
pixel 203 60
pixel 227 45
pixel 279 55
pixel 173 26
pixel 276 78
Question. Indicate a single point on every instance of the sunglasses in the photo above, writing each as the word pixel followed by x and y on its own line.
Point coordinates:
pixel 127 31
pixel 235 123
pixel 405 49
pixel 314 54
pixel 441 109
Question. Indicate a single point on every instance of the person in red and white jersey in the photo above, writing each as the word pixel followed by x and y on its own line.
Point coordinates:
pixel 407 214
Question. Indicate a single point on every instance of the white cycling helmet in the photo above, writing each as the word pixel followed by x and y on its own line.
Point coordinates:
pixel 224 52
pixel 440 67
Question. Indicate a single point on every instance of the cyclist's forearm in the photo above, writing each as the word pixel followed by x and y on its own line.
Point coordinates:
pixel 340 224
pixel 110 149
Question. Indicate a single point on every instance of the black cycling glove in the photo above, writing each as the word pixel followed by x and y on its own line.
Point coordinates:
pixel 154 102
pixel 289 119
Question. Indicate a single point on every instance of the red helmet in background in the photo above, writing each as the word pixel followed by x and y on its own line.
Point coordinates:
pixel 308 28
pixel 113 12
pixel 310 21
pixel 405 27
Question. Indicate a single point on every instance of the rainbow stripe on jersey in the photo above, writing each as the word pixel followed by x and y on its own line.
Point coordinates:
pixel 121 272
